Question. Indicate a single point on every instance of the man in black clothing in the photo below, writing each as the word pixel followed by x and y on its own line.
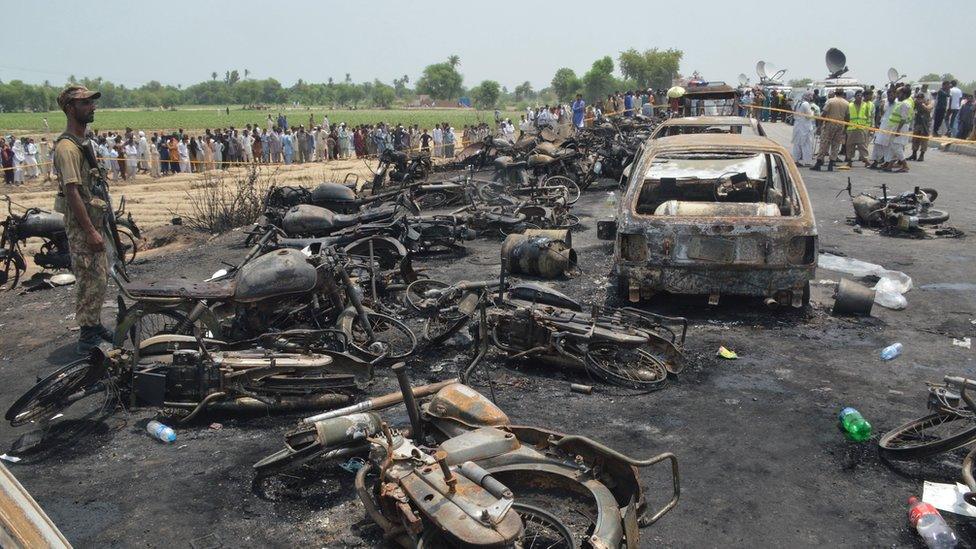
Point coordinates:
pixel 941 104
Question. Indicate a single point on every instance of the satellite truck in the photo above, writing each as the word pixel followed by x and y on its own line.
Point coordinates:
pixel 770 83
pixel 837 66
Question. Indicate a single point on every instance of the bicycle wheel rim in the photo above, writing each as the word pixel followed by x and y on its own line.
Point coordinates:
pixel 631 367
pixel 158 323
pixel 394 337
pixel 540 530
pixel 414 297
pixel 927 436
pixel 7 281
pixel 572 188
pixel 47 397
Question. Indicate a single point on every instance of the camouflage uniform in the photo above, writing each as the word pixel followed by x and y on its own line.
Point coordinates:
pixel 90 268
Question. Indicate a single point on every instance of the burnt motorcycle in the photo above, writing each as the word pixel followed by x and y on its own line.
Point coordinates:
pixel 276 291
pixel 461 475
pixel 49 228
pixel 300 370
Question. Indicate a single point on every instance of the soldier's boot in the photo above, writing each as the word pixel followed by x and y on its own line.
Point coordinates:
pixel 830 166
pixel 914 156
pixel 88 339
pixel 105 334
pixel 921 156
pixel 818 165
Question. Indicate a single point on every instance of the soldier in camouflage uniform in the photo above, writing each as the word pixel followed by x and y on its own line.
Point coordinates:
pixel 83 215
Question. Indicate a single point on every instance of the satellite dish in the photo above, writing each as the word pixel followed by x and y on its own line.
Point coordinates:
pixel 836 62
pixel 893 75
pixel 743 79
pixel 769 69
pixel 779 75
pixel 761 70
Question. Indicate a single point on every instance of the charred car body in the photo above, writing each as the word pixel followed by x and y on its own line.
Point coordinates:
pixel 714 215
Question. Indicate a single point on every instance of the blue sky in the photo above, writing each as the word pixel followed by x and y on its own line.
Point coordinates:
pixel 182 42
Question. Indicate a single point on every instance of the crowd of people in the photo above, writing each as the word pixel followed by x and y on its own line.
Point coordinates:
pixel 890 120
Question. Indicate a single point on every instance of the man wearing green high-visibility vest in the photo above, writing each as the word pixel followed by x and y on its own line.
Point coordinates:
pixel 899 123
pixel 861 116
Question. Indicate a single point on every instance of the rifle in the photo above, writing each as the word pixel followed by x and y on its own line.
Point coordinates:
pixel 100 191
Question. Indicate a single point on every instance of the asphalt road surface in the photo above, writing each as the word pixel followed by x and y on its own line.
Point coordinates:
pixel 762 461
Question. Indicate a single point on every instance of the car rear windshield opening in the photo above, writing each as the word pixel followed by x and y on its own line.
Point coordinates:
pixel 717 184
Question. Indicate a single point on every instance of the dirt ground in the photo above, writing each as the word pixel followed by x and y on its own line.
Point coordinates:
pixel 762 461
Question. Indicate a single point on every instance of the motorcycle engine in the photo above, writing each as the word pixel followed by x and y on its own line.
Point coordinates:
pixel 187 378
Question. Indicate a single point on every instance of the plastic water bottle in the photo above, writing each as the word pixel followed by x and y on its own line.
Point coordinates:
pixel 612 199
pixel 930 525
pixel 891 351
pixel 160 431
pixel 854 425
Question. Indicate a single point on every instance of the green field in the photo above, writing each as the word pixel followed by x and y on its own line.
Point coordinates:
pixel 198 118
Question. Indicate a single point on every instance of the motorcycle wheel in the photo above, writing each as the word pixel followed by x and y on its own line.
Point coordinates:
pixel 387 254
pixel 395 339
pixel 540 530
pixel 438 328
pixel 932 216
pixel 928 435
pixel 10 271
pixel 53 394
pixel 433 200
pixel 414 298
pixel 932 193
pixel 129 245
pixel 572 189
pixel 569 222
pixel 631 367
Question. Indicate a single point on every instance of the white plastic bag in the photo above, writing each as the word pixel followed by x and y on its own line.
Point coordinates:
pixel 891 284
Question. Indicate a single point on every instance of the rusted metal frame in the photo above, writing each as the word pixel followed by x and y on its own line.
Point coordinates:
pixel 23 523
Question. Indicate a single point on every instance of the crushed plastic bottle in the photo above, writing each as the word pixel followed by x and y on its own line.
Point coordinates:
pixel 161 432
pixel 612 199
pixel 892 351
pixel 854 425
pixel 930 525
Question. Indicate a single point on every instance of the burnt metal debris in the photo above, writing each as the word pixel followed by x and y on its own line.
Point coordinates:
pixel 461 474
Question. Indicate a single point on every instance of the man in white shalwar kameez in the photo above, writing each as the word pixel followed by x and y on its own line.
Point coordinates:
pixel 30 158
pixel 20 156
pixel 143 150
pixel 899 121
pixel 882 139
pixel 804 129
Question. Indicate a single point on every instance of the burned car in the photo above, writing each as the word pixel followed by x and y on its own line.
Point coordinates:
pixel 742 125
pixel 714 215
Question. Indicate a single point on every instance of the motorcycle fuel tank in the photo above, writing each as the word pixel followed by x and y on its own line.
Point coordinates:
pixel 276 273
pixel 43 224
pixel 335 197
pixel 308 219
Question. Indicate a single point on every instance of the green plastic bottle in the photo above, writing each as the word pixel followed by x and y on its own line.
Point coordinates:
pixel 854 425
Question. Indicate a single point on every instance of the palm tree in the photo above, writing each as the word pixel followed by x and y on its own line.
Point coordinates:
pixel 213 75
pixel 348 78
pixel 406 79
pixel 246 72
pixel 454 61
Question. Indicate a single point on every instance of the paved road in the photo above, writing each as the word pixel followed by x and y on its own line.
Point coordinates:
pixel 761 459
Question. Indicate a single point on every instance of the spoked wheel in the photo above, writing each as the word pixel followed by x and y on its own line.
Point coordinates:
pixel 56 392
pixel 10 270
pixel 391 337
pixel 572 188
pixel 440 327
pixel 632 367
pixel 129 246
pixel 540 530
pixel 414 297
pixel 516 228
pixel 433 200
pixel 928 435
pixel 570 221
pixel 932 216
pixel 158 323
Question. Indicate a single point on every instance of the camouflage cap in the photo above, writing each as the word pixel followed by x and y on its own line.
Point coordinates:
pixel 76 92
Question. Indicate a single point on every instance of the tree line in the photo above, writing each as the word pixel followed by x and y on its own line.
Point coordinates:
pixel 651 68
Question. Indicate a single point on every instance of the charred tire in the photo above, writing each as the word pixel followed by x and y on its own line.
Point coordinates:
pixel 631 367
pixel 57 391
pixel 413 296
pixel 932 216
pixel 572 188
pixel 398 341
pixel 11 267
pixel 438 328
pixel 433 200
pixel 920 437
